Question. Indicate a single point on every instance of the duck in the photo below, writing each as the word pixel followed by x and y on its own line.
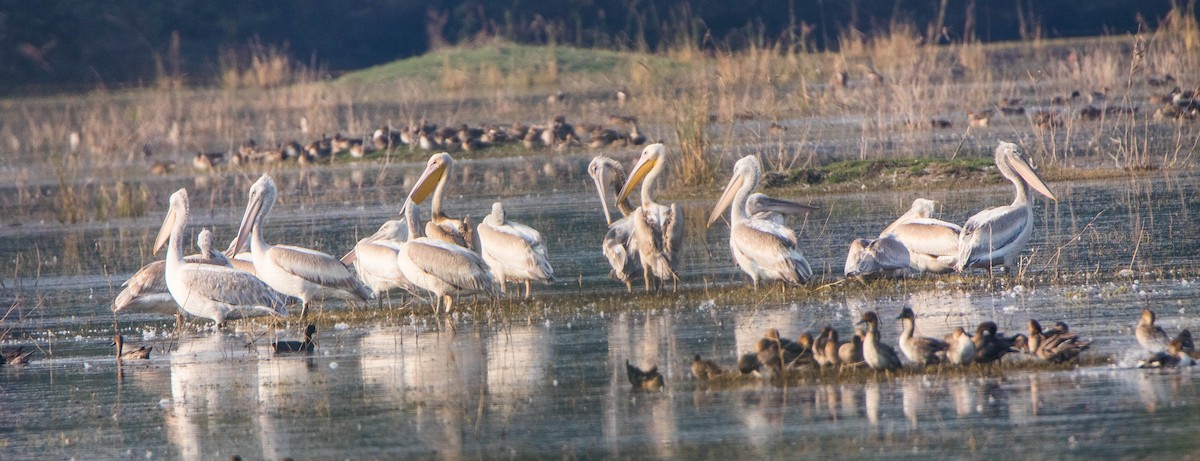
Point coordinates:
pixel 15 355
pixel 705 370
pixel 990 346
pixel 1173 356
pixel 850 353
pixel 877 355
pixel 307 345
pixel 141 353
pixel 1152 337
pixel 205 161
pixel 918 349
pixel 962 349
pixel 648 380
pixel 825 352
pixel 1057 345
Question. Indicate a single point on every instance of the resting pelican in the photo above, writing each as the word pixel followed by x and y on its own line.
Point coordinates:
pixel 440 226
pixel 658 229
pixel 374 258
pixel 147 289
pixel 294 271
pixel 441 268
pixel 882 256
pixel 205 290
pixel 999 234
pixel 932 244
pixel 619 246
pixel 762 248
pixel 514 252
pixel 760 206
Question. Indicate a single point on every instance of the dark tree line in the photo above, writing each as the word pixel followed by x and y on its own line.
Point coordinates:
pixel 54 45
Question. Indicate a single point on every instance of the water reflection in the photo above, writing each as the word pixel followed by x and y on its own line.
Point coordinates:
pixel 210 375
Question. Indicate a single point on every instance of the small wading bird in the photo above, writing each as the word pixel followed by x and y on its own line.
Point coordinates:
pixel 307 345
pixel 513 251
pixel 996 236
pixel 440 268
pixel 146 290
pixel 433 181
pixel 620 246
pixel 294 271
pixel 762 248
pixel 209 291
pixel 141 353
pixel 658 228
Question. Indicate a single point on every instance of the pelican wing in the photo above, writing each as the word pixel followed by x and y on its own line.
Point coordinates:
pixel 516 247
pixel 991 229
pixel 318 268
pixel 652 248
pixel 772 247
pixel 452 264
pixel 673 232
pixel 447 232
pixel 378 258
pixel 928 236
pixel 230 286
pixel 620 249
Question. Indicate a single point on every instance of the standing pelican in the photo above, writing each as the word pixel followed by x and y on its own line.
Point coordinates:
pixel 440 226
pixel 205 290
pixel 513 251
pixel 147 289
pixel 294 271
pixel 619 246
pixel 441 268
pixel 762 248
pixel 999 234
pixel 658 229
pixel 374 258
pixel 932 244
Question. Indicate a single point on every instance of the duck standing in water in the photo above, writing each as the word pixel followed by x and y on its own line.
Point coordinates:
pixel 877 355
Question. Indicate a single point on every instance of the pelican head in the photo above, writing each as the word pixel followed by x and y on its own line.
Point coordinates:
pixel 433 177
pixel 651 162
pixel 262 199
pixel 1013 164
pixel 498 212
pixel 923 208
pixel 204 242
pixel 604 172
pixel 746 174
pixel 177 208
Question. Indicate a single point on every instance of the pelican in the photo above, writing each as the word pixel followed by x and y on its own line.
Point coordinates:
pixel 760 206
pixel 932 244
pixel 513 251
pixel 294 271
pixel 374 258
pixel 441 268
pixel 619 246
pixel 658 229
pixel 205 290
pixel 882 256
pixel 762 248
pixel 440 226
pixel 999 234
pixel 147 289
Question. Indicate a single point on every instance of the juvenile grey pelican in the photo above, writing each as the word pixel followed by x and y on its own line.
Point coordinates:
pixel 443 269
pixel 440 226
pixel 297 272
pixel 374 258
pixel 932 244
pixel 146 290
pixel 763 249
pixel 918 349
pixel 619 245
pixel 884 256
pixel 997 235
pixel 658 228
pixel 513 251
pixel 205 290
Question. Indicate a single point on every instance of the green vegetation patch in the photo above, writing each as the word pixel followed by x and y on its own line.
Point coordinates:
pixel 848 171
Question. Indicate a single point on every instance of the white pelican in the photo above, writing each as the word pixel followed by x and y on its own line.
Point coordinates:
pixel 658 228
pixel 932 244
pixel 205 290
pixel 884 256
pixel 440 226
pixel 441 268
pixel 294 271
pixel 374 258
pixel 619 246
pixel 147 289
pixel 514 252
pixel 762 248
pixel 997 235
pixel 760 206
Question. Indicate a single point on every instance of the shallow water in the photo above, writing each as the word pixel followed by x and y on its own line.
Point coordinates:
pixel 552 382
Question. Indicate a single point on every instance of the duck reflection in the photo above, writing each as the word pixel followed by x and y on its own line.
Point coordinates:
pixel 913 401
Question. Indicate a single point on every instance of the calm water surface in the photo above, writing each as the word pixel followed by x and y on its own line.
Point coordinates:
pixel 553 384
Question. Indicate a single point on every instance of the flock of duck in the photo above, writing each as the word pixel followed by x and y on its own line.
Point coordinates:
pixel 774 355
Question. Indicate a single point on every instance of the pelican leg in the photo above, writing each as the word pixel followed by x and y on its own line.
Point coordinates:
pixel 303 310
pixel 528 290
pixel 629 286
pixel 449 302
pixel 178 322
